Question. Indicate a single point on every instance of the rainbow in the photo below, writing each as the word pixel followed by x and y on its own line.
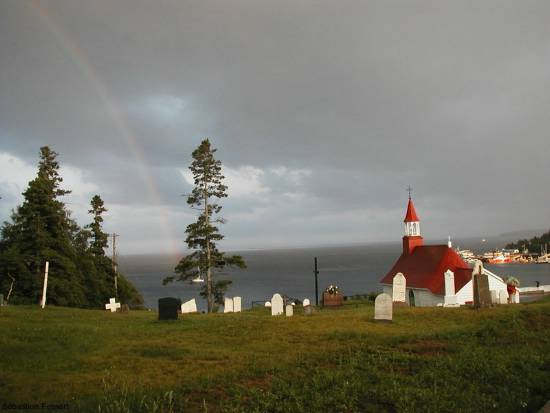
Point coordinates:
pixel 124 132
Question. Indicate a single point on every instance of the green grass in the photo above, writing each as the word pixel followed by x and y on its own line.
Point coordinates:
pixel 428 359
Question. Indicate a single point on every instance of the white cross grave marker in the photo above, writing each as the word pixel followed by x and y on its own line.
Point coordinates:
pixel 112 305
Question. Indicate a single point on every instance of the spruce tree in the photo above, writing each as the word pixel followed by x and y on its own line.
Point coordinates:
pixel 202 235
pixel 97 266
pixel 99 238
pixel 42 230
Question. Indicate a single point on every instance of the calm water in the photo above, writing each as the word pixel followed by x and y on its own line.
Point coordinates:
pixel 355 269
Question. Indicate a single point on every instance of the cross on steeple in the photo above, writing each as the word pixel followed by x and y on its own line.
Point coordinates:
pixel 409 189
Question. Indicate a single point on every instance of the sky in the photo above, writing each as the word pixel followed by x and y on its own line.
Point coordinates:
pixel 322 113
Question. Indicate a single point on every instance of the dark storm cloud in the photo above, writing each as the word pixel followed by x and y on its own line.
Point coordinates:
pixel 368 97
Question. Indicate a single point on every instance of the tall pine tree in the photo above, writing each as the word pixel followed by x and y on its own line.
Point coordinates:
pixel 99 238
pixel 42 230
pixel 202 235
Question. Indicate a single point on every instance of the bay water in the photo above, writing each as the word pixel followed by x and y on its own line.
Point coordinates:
pixel 355 269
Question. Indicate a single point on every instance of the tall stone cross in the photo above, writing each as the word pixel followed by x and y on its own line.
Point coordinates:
pixel 112 305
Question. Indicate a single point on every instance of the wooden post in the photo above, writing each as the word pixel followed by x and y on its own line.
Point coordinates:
pixel 45 288
pixel 11 288
pixel 316 272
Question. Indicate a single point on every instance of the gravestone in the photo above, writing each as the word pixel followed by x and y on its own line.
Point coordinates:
pixel 1 300
pixel 228 305
pixel 449 282
pixel 399 288
pixel 383 308
pixel 309 309
pixel 168 308
pixel 267 304
pixel 289 310
pixel 276 304
pixel 450 299
pixel 515 297
pixel 112 305
pixel 503 297
pixel 482 294
pixel 306 302
pixel 125 309
pixel 494 296
pixel 332 300
pixel 237 304
pixel 189 307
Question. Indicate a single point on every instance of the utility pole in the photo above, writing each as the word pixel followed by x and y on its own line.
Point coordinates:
pixel 115 264
pixel 316 272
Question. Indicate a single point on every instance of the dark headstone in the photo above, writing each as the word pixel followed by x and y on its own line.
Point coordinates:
pixel 482 294
pixel 168 308
pixel 1 300
pixel 124 308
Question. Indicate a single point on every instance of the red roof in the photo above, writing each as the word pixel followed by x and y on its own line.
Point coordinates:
pixel 426 265
pixel 411 213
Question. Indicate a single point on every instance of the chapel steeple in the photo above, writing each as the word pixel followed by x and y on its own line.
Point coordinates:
pixel 412 222
pixel 412 238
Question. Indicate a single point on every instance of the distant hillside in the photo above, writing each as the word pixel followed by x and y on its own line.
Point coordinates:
pixel 533 244
pixel 524 234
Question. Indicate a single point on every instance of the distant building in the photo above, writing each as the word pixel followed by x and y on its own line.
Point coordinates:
pixel 434 274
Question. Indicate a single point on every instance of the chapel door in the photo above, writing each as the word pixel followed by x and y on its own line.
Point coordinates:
pixel 411 298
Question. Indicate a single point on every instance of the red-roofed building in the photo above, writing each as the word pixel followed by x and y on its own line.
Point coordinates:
pixel 430 275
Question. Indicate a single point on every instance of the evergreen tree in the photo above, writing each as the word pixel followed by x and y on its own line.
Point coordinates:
pixel 534 245
pixel 99 238
pixel 41 230
pixel 202 235
pixel 99 269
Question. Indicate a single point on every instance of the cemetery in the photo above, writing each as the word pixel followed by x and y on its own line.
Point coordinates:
pixel 435 322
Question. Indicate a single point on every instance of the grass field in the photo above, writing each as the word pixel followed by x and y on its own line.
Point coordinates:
pixel 428 359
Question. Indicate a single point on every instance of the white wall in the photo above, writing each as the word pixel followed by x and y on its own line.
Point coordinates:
pixel 424 298
pixel 466 293
pixel 495 282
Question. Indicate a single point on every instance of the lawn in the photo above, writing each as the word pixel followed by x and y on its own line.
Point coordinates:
pixel 427 359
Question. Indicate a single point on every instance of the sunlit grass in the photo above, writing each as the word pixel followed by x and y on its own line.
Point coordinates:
pixel 333 360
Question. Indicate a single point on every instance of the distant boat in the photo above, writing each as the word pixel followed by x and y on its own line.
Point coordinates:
pixel 467 255
pixel 500 259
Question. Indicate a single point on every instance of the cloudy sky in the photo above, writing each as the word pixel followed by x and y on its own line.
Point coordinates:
pixel 323 112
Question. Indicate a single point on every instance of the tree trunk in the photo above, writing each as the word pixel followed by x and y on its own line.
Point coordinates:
pixel 209 298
